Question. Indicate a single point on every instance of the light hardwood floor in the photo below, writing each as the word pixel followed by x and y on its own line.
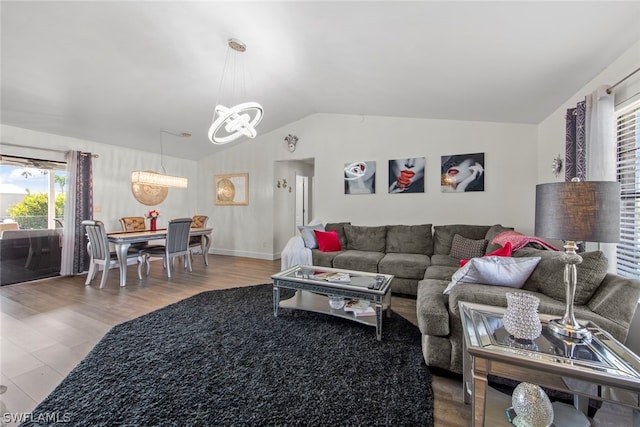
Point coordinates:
pixel 48 326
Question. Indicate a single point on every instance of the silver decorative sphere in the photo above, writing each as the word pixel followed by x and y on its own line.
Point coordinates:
pixel 533 407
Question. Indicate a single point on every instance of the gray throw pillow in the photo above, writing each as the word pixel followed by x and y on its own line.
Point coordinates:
pixel 309 236
pixel 548 277
pixel 463 248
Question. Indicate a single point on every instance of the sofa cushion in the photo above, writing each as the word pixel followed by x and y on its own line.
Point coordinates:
pixel 308 236
pixel 495 271
pixel 494 231
pixel 443 235
pixel 323 259
pixel 440 272
pixel 410 239
pixel 328 241
pixel 618 295
pixel 447 260
pixel 431 308
pixel 463 248
pixel 548 277
pixel 358 260
pixel 408 266
pixel 370 239
pixel 339 227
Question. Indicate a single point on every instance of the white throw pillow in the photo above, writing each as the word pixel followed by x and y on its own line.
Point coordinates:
pixel 309 236
pixel 496 271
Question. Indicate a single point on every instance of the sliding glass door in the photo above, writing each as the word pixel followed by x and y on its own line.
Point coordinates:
pixel 32 197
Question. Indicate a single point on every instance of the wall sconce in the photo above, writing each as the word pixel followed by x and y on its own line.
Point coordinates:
pixel 283 184
pixel 291 141
pixel 556 165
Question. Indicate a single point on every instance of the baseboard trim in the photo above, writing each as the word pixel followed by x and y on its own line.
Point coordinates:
pixel 246 254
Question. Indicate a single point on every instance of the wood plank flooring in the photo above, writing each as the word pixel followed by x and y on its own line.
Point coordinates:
pixel 48 326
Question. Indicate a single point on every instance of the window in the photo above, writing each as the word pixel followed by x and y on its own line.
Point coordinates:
pixel 628 173
pixel 32 192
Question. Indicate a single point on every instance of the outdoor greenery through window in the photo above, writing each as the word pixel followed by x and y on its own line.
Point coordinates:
pixel 628 173
pixel 32 192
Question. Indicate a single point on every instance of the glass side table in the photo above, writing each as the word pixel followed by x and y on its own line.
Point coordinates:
pixel 600 368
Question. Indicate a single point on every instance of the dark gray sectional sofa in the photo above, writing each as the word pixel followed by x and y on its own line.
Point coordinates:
pixel 406 251
pixel 423 260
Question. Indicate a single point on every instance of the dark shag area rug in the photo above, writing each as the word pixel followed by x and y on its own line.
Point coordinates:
pixel 220 358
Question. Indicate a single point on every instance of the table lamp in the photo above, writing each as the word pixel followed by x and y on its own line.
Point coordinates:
pixel 576 211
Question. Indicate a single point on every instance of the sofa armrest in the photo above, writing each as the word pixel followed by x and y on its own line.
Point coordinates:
pixel 295 253
pixel 616 299
pixel 431 307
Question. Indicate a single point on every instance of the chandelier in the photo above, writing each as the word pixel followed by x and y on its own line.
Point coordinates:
pixel 231 123
pixel 161 179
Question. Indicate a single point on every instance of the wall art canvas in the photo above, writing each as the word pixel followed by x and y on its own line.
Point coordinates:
pixel 360 178
pixel 462 173
pixel 231 189
pixel 407 175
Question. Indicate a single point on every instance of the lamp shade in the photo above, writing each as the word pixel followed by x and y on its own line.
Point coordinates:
pixel 156 179
pixel 580 211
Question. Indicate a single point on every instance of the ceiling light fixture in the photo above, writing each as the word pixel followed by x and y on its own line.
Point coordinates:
pixel 157 179
pixel 231 123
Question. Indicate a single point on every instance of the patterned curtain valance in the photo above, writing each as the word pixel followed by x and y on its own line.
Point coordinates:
pixel 575 147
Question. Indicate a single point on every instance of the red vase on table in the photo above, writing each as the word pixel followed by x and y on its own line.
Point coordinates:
pixel 152 224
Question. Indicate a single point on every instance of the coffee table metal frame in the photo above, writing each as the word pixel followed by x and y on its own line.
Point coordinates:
pixel 312 294
pixel 601 368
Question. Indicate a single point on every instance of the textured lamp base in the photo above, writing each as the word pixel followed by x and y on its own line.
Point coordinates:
pixel 558 327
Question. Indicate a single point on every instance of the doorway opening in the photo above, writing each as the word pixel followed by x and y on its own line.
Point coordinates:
pixel 293 201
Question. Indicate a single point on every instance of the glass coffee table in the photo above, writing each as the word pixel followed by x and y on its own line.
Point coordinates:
pixel 314 285
pixel 600 368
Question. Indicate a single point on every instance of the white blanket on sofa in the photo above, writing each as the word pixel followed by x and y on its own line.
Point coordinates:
pixel 295 253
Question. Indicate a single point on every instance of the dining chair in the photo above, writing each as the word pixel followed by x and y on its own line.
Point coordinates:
pixel 100 253
pixel 195 243
pixel 134 223
pixel 177 244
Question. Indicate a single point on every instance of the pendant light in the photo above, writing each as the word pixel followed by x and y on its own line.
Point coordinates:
pixel 161 179
pixel 231 123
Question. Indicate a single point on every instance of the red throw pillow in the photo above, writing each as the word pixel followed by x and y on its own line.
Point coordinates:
pixel 328 241
pixel 503 251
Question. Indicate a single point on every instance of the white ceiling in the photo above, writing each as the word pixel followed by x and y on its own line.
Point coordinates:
pixel 118 72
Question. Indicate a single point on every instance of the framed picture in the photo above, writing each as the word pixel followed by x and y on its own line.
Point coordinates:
pixel 406 175
pixel 231 189
pixel 462 173
pixel 359 178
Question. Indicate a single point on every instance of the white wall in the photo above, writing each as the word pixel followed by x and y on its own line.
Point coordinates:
pixel 333 140
pixel 112 174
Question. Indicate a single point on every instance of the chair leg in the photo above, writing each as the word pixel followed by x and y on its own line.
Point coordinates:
pixel 142 260
pixel 105 273
pixel 187 259
pixel 168 261
pixel 147 262
pixel 91 273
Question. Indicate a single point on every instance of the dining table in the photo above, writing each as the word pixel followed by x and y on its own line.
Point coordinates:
pixel 122 240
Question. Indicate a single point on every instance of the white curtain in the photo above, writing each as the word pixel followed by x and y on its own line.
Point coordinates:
pixel 601 148
pixel 68 234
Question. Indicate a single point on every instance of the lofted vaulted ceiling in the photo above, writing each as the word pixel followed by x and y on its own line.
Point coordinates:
pixel 117 72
